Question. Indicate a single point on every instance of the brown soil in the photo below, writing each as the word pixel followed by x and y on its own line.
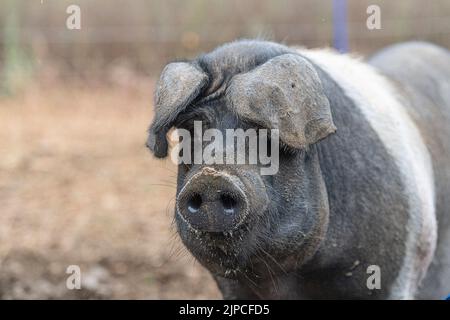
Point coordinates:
pixel 78 187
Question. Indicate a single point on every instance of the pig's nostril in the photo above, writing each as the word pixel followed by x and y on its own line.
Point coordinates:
pixel 211 201
pixel 194 203
pixel 228 203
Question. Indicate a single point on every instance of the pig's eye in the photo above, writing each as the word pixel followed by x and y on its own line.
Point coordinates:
pixel 287 150
pixel 186 167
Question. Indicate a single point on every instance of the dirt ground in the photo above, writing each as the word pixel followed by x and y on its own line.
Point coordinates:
pixel 78 187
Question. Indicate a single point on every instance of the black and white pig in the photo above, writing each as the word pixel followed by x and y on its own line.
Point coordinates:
pixel 364 170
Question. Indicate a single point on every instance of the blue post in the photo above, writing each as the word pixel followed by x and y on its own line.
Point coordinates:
pixel 340 35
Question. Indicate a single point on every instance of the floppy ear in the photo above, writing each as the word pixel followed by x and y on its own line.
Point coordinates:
pixel 285 93
pixel 179 85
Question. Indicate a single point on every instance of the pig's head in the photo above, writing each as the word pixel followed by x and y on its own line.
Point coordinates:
pixel 234 220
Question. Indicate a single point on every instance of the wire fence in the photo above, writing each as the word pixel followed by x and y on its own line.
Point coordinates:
pixel 147 34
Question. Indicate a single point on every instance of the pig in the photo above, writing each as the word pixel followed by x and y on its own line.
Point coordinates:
pixel 359 205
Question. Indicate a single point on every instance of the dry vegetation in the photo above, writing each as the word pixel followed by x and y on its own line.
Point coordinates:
pixel 77 186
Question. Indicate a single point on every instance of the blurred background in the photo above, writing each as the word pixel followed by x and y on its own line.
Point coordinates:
pixel 77 185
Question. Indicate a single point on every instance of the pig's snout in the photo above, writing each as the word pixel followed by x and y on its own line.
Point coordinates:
pixel 213 201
